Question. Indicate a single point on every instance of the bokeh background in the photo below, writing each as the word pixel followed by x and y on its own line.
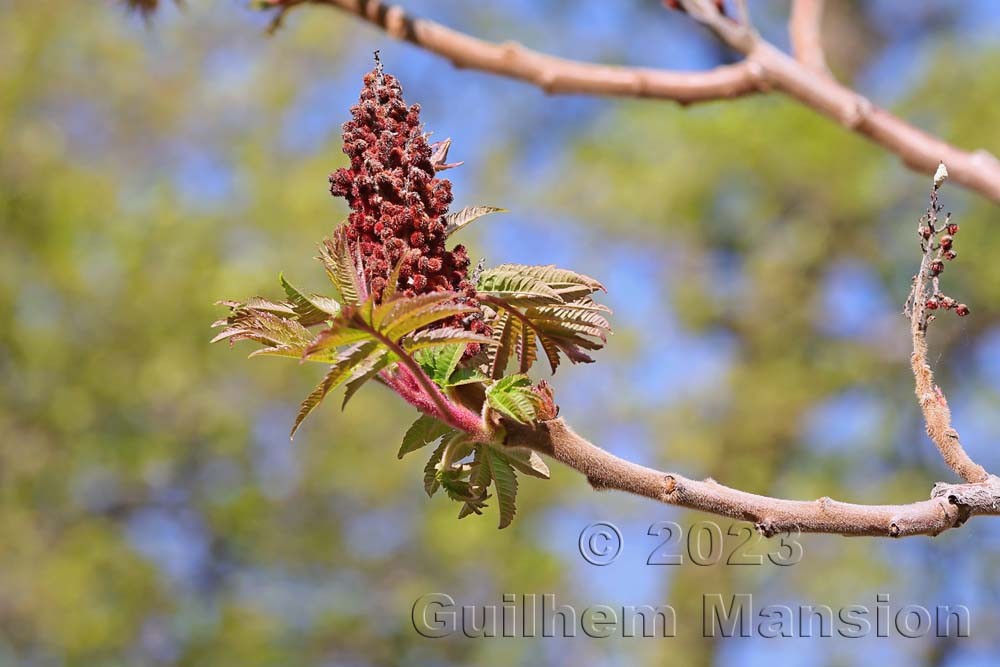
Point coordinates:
pixel 152 509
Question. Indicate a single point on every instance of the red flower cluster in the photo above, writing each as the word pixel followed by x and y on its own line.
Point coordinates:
pixel 397 202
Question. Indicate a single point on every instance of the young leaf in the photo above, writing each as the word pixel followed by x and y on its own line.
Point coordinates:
pixel 265 327
pixel 551 351
pixel 366 371
pixel 338 373
pixel 527 351
pixel 567 328
pixel 403 316
pixel 522 285
pixel 310 309
pixel 256 303
pixel 512 397
pixel 440 362
pixel 459 490
pixel 526 460
pixel 515 287
pixel 570 285
pixel 479 480
pixel 439 156
pixel 456 221
pixel 505 483
pixel 422 432
pixel 430 338
pixel 392 282
pixel 467 375
pixel 503 344
pixel 339 262
pixel 584 311
pixel 431 483
pixel 340 332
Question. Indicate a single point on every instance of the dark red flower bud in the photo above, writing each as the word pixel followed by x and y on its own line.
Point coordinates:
pixel 952 228
pixel 961 310
pixel 937 267
pixel 932 304
pixel 924 232
pixel 946 241
pixel 951 254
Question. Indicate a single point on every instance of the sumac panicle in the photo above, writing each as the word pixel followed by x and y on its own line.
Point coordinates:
pixel 407 311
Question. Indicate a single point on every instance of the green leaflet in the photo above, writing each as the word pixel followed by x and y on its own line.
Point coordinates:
pixel 505 484
pixel 525 460
pixel 340 333
pixel 445 336
pixel 341 268
pixel 523 285
pixel 396 310
pixel 527 350
pixel 467 375
pixel 456 221
pixel 392 282
pixel 479 481
pixel 423 431
pixel 371 367
pixel 313 309
pixel 566 329
pixel 263 326
pixel 512 397
pixel 503 344
pixel 440 362
pixel 431 483
pixel 516 288
pixel 421 316
pixel 340 372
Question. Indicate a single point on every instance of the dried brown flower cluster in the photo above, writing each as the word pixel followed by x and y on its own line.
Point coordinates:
pixel 938 245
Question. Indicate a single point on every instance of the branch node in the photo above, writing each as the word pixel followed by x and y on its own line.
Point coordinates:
pixel 510 50
pixel 857 113
pixel 766 527
pixel 669 485
pixel 396 23
pixel 758 74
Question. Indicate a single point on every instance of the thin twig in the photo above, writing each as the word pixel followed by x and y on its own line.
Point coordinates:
pixel 932 400
pixel 804 29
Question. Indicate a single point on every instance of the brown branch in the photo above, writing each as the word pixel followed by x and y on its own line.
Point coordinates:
pixel 804 28
pixel 551 74
pixel 765 68
pixel 932 400
pixel 950 505
pixel 979 170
